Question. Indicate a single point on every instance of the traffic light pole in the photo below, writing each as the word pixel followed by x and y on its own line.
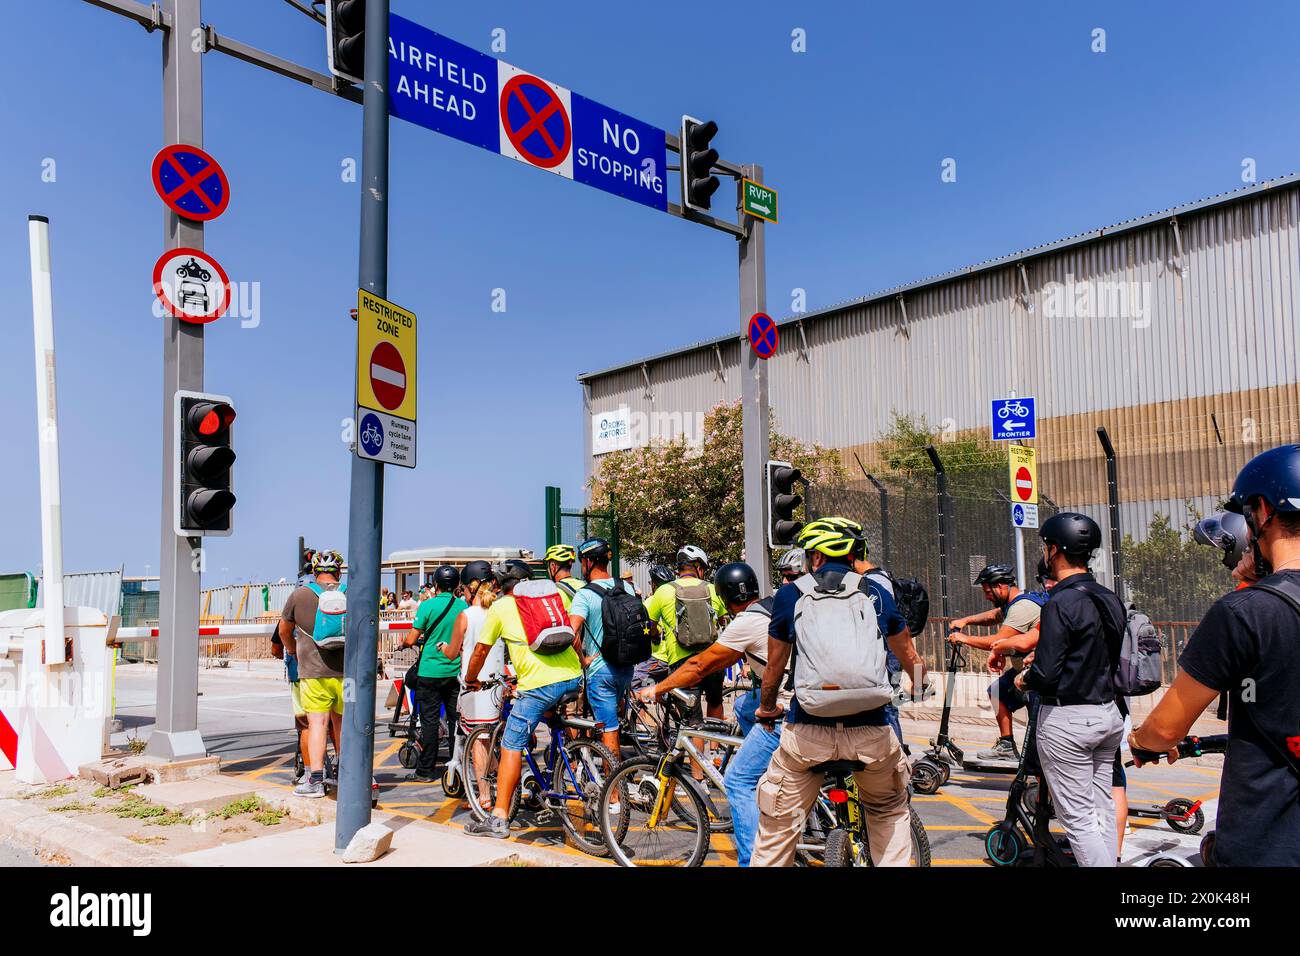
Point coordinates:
pixel 176 734
pixel 366 508
pixel 755 418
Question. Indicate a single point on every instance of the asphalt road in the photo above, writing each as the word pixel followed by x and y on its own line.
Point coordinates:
pixel 247 720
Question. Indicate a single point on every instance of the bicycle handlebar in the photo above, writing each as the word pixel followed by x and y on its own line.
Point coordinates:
pixel 1191 746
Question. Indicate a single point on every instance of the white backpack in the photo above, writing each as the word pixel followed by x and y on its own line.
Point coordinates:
pixel 839 657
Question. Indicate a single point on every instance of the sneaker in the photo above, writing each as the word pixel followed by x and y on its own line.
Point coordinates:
pixel 423 777
pixel 494 826
pixel 1004 749
pixel 307 788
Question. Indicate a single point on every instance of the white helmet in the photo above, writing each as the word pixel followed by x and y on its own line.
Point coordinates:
pixel 689 554
pixel 793 560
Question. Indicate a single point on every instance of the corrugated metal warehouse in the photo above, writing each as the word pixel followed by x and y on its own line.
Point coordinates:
pixel 1177 331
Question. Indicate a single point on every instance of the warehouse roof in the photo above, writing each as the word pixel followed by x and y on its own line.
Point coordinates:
pixel 1033 252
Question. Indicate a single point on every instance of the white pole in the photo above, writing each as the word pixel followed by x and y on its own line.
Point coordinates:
pixel 47 419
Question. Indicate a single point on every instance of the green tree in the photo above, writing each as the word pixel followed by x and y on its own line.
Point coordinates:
pixel 1171 576
pixel 671 493
pixel 902 448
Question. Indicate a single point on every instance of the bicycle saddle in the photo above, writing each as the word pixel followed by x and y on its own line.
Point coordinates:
pixel 567 699
pixel 838 766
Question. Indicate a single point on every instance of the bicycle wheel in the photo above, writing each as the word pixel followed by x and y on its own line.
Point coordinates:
pixel 491 736
pixel 680 836
pixel 920 855
pixel 642 729
pixel 582 783
pixel 838 851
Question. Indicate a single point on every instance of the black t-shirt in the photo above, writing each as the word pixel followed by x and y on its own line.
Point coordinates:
pixel 1249 644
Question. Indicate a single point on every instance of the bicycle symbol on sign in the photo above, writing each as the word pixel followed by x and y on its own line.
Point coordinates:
pixel 1017 409
pixel 371 437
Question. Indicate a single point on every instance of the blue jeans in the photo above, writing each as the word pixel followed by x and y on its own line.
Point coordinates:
pixel 743 709
pixel 744 771
pixel 606 689
pixel 528 709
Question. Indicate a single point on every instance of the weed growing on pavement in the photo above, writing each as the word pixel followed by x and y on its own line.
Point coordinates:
pixel 74 806
pixel 135 807
pixel 49 793
pixel 260 811
pixel 147 840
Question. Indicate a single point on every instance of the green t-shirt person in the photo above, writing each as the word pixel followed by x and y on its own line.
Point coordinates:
pixel 662 608
pixel 432 661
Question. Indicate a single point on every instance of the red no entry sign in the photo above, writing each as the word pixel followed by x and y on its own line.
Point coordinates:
pixel 535 121
pixel 1024 484
pixel 388 375
pixel 763 335
pixel 190 182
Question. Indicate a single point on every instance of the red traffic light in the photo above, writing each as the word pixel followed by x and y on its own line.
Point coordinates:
pixel 209 419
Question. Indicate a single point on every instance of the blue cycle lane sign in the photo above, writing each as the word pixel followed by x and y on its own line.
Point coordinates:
pixel 1013 418
pixel 445 86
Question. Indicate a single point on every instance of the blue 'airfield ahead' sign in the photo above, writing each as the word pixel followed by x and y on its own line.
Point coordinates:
pixel 447 87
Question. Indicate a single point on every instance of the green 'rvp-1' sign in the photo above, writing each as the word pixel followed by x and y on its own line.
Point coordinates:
pixel 758 200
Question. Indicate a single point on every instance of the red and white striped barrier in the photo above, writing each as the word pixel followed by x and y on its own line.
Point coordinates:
pixel 233 630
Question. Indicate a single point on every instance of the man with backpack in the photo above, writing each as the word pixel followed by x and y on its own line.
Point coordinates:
pixel 1248 644
pixel 614 631
pixel 1080 717
pixel 530 618
pixel 559 568
pixel 437 676
pixel 1015 613
pixel 839 636
pixel 687 611
pixel 312 629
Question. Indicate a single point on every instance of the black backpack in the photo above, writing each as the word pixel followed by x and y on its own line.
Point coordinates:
pixel 626 639
pixel 911 598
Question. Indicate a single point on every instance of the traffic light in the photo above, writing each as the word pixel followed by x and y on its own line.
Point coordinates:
pixel 345 34
pixel 304 557
pixel 204 457
pixel 781 502
pixel 698 183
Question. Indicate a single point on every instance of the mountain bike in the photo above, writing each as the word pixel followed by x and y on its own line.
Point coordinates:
pixel 653 812
pixel 567 782
pixel 835 833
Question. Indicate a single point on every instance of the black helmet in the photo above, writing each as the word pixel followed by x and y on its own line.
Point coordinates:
pixel 446 578
pixel 475 571
pixel 995 574
pixel 595 549
pixel 511 572
pixel 1044 573
pixel 1273 475
pixel 736 583
pixel 1075 534
pixel 661 574
pixel 1225 531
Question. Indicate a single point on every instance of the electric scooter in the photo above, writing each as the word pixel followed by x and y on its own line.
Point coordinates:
pixel 1023 837
pixel 1189 747
pixel 933 770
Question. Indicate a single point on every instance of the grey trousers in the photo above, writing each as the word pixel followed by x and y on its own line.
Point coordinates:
pixel 1076 747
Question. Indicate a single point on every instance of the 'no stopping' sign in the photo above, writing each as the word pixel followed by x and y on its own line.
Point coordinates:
pixel 763 335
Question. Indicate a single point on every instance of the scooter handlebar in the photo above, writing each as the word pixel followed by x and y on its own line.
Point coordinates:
pixel 1191 746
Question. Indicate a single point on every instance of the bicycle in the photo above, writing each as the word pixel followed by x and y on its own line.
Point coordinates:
pixel 836 832
pixel 672 820
pixel 568 782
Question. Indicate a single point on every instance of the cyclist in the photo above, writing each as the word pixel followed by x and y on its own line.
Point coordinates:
pixel 790 565
pixel 689 589
pixel 652 670
pixel 789 786
pixel 1015 614
pixel 320 670
pixel 606 684
pixel 543 680
pixel 559 568
pixel 745 638
pixel 476 708
pixel 437 674
pixel 1249 645
pixel 1080 718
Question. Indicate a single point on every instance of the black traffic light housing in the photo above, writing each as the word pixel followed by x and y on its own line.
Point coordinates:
pixel 304 557
pixel 204 459
pixel 782 500
pixel 345 36
pixel 698 182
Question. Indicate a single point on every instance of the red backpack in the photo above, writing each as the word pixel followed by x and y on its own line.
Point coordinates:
pixel 546 622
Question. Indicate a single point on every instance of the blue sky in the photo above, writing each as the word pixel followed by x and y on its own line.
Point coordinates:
pixel 1049 138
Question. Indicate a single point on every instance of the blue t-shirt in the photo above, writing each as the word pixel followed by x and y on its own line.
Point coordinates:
pixel 587 605
pixel 888 619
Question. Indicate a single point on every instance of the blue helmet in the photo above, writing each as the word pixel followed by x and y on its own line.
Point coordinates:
pixel 1272 476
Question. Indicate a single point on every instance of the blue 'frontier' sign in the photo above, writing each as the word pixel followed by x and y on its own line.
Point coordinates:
pixel 1013 418
pixel 447 87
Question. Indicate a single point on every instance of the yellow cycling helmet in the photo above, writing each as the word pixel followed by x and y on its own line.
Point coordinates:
pixel 561 553
pixel 833 537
